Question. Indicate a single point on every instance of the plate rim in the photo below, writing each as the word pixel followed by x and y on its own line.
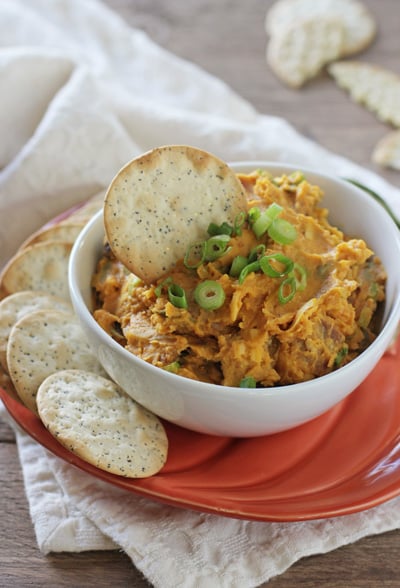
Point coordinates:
pixel 33 426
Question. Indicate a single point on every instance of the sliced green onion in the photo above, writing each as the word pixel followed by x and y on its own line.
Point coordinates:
pixel 257 252
pixel 287 290
pixel 274 210
pixel 240 219
pixel 282 232
pixel 238 263
pixel 222 229
pixel 249 268
pixel 253 214
pixel 215 246
pixel 296 177
pixel 364 318
pixel 341 355
pixel 158 289
pixel 266 218
pixel 248 382
pixel 276 265
pixel 373 290
pixel 173 367
pixel 195 255
pixel 177 296
pixel 300 275
pixel 277 181
pixel 261 225
pixel 209 295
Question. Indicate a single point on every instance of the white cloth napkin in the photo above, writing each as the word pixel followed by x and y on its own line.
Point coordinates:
pixel 81 93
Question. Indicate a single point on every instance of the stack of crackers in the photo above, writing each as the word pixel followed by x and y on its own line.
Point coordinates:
pixel 168 197
pixel 305 36
pixel 47 364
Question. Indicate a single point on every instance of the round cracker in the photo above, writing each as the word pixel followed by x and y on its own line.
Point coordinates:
pixel 44 342
pixel 164 200
pixel 63 231
pixel 43 266
pixel 87 210
pixel 15 306
pixel 92 417
pixel 358 22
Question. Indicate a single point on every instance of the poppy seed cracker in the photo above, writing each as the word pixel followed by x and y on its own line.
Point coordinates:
pixel 15 306
pixel 44 342
pixel 92 417
pixel 43 266
pixel 64 231
pixel 164 200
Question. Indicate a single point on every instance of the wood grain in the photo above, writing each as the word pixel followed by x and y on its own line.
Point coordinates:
pixel 227 39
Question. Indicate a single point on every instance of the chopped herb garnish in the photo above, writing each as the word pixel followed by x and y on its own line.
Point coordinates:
pixel 209 294
pixel 248 382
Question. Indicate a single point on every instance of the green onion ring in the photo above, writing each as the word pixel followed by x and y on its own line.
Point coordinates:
pixel 248 382
pixel 274 210
pixel 215 247
pixel 300 275
pixel 198 247
pixel 288 283
pixel 253 214
pixel 240 219
pixel 266 218
pixel 158 289
pixel 209 295
pixel 341 355
pixel 238 263
pixel 249 268
pixel 261 225
pixel 257 252
pixel 296 177
pixel 270 270
pixel 173 367
pixel 222 229
pixel 177 296
pixel 282 232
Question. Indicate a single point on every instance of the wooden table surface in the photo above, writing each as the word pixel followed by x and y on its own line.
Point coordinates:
pixel 226 38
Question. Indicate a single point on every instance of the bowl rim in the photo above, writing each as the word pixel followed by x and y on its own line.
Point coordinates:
pixel 197 388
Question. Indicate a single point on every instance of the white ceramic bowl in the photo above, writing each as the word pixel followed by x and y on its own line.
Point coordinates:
pixel 242 412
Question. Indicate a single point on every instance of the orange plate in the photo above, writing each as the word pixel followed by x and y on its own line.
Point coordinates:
pixel 345 461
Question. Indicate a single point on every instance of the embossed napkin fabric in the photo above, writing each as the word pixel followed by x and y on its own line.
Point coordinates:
pixel 81 93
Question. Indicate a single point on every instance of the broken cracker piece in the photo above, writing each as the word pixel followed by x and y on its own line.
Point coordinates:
pixel 387 151
pixel 358 22
pixel 374 87
pixel 298 52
